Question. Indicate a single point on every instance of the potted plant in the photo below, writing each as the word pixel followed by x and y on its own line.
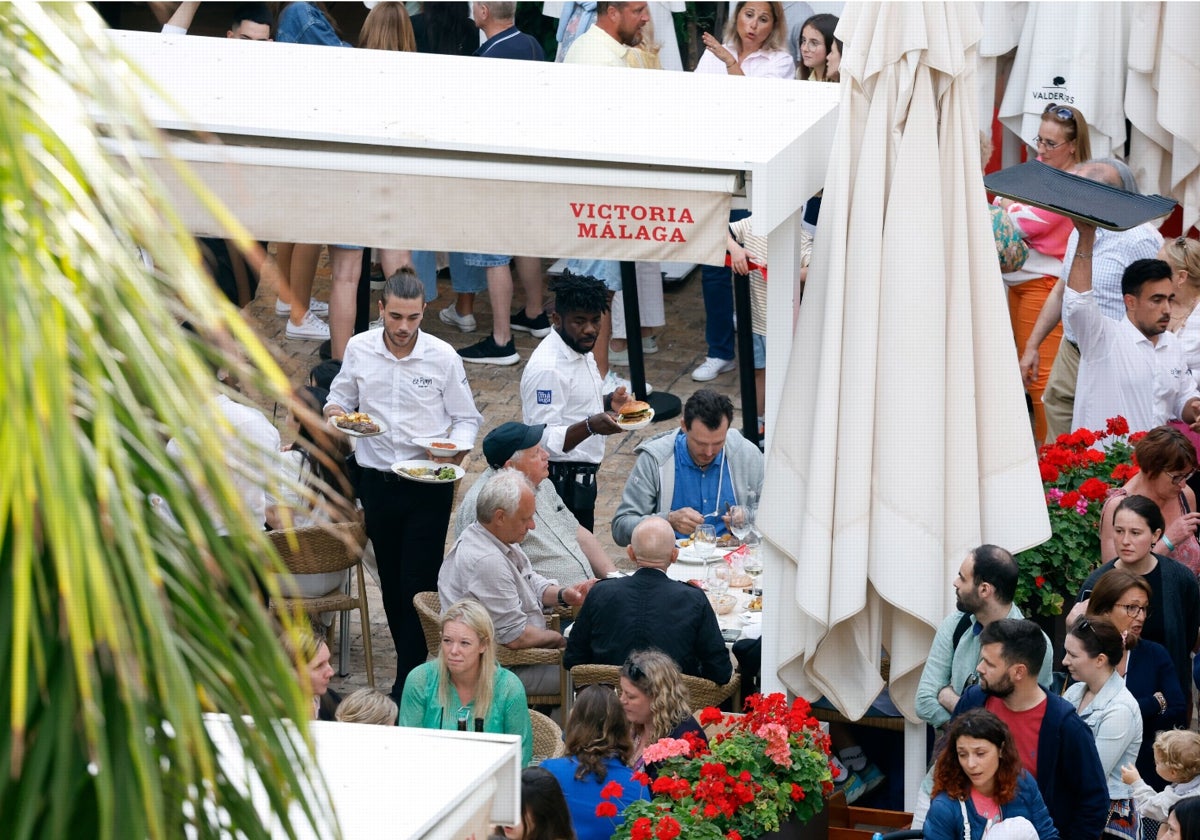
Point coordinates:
pixel 1077 476
pixel 768 769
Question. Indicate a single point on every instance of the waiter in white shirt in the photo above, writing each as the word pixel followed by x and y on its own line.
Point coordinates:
pixel 414 384
pixel 561 388
pixel 1132 368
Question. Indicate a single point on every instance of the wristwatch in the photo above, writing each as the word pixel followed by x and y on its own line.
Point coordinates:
pixel 562 602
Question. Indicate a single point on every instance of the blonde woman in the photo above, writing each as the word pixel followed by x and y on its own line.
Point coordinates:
pixel 368 705
pixel 755 44
pixel 464 688
pixel 1183 256
pixel 655 702
pixel 310 655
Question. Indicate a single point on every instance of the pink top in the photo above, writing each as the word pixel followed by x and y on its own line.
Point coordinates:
pixel 1186 552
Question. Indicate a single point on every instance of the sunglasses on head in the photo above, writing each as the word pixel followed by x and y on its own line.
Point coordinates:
pixel 634 672
pixel 1059 112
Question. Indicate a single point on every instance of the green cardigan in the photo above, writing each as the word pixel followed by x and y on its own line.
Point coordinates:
pixel 421 706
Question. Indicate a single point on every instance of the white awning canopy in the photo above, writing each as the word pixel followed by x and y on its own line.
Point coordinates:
pixel 393 149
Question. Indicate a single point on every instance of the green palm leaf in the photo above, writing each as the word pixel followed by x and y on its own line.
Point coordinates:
pixel 121 628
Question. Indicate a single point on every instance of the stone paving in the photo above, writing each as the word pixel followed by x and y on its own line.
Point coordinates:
pixel 497 395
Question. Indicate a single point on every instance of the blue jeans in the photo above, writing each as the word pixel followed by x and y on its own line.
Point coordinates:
pixel 717 288
pixel 464 278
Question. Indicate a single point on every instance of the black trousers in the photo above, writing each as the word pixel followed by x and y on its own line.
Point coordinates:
pixel 576 486
pixel 407 523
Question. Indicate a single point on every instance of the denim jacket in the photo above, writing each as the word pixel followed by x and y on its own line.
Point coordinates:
pixel 303 23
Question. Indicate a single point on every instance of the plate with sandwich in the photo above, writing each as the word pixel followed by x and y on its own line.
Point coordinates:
pixel 635 414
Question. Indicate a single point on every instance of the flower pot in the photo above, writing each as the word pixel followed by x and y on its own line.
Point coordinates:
pixel 816 828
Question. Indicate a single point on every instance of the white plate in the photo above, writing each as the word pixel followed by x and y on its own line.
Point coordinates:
pixel 397 468
pixel 427 444
pixel 688 556
pixel 640 424
pixel 352 433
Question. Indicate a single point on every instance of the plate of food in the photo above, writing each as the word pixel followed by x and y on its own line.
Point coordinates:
pixel 357 424
pixel 428 472
pixel 688 555
pixel 440 447
pixel 635 414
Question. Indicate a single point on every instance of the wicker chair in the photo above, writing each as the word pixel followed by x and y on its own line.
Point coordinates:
pixel 429 611
pixel 319 549
pixel 701 692
pixel 547 737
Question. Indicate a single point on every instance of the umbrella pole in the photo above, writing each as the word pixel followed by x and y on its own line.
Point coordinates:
pixel 745 354
pixel 666 406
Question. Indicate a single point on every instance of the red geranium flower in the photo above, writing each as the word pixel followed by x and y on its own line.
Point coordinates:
pixel 1049 473
pixel 642 829
pixel 1039 581
pixel 710 715
pixel 733 835
pixel 1094 489
pixel 1136 436
pixel 1118 425
pixel 612 790
pixel 668 828
pixel 606 809
pixel 1123 472
pixel 1069 500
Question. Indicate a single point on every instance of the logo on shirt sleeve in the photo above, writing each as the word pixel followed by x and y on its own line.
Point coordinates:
pixel 544 397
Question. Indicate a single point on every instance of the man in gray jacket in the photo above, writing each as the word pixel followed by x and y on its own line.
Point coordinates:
pixel 692 475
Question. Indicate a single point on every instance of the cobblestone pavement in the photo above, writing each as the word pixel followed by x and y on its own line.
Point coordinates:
pixel 497 395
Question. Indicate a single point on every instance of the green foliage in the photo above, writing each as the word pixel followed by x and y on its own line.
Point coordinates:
pixel 121 628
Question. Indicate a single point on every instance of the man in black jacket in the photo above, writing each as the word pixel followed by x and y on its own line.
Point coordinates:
pixel 649 610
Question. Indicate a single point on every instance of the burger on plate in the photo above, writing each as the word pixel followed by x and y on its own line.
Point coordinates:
pixel 634 411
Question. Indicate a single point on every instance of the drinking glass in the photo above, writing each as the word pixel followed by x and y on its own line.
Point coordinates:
pixel 704 541
pixel 752 562
pixel 717 579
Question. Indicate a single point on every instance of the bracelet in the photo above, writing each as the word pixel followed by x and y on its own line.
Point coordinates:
pixel 562 602
pixel 1081 254
pixel 1170 545
pixel 587 424
pixel 1162 702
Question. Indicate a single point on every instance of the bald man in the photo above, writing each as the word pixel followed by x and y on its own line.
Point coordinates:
pixel 649 610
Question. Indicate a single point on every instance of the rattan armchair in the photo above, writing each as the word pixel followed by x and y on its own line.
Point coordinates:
pixel 547 737
pixel 701 692
pixel 429 611
pixel 319 549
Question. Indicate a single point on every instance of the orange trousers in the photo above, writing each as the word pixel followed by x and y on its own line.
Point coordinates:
pixel 1024 303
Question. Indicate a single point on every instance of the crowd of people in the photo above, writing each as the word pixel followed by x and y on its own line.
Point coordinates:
pixel 1105 325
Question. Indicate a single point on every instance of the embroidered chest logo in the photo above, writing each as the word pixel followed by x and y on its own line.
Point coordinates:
pixel 544 397
pixel 422 381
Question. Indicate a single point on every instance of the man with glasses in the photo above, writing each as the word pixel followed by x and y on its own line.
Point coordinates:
pixel 691 476
pixel 984 590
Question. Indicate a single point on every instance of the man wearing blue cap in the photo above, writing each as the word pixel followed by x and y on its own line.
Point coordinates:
pixel 558 547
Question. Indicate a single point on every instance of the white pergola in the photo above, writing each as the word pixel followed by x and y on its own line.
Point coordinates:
pixel 404 150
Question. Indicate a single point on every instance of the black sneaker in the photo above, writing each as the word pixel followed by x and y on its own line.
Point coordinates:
pixel 488 352
pixel 539 326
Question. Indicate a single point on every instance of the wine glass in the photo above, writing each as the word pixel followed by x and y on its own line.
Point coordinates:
pixel 752 563
pixel 704 541
pixel 741 521
pixel 717 579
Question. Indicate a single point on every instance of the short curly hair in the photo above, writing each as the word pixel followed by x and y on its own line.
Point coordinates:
pixel 1179 751
pixel 578 293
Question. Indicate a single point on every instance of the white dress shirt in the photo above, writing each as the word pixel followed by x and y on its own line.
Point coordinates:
pixel 425 394
pixel 1113 252
pixel 560 387
pixel 1121 372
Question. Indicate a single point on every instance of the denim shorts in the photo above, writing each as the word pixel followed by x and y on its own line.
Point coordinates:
pixel 348 247
pixel 606 271
pixel 465 279
pixel 486 260
pixel 760 351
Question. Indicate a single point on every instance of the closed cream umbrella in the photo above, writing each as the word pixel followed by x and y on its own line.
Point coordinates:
pixel 903 437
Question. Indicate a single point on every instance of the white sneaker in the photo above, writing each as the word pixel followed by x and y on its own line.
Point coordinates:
pixel 317 307
pixel 712 368
pixel 311 328
pixel 612 382
pixel 449 315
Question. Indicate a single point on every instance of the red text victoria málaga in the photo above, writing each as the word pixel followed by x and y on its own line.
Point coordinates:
pixel 631 221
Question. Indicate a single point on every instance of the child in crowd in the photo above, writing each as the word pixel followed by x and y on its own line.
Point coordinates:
pixel 368 705
pixel 1177 760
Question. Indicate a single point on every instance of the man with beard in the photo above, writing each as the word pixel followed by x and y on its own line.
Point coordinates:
pixel 1054 743
pixel 413 385
pixel 1133 368
pixel 984 590
pixel 561 388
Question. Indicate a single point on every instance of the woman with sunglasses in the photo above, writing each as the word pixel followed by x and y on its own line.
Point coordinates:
pixel 1174 616
pixel 1124 599
pixel 1094 649
pixel 655 702
pixel 1166 459
pixel 1062 143
pixel 978 782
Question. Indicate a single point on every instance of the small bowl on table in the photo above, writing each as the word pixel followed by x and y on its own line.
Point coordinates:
pixel 440 447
